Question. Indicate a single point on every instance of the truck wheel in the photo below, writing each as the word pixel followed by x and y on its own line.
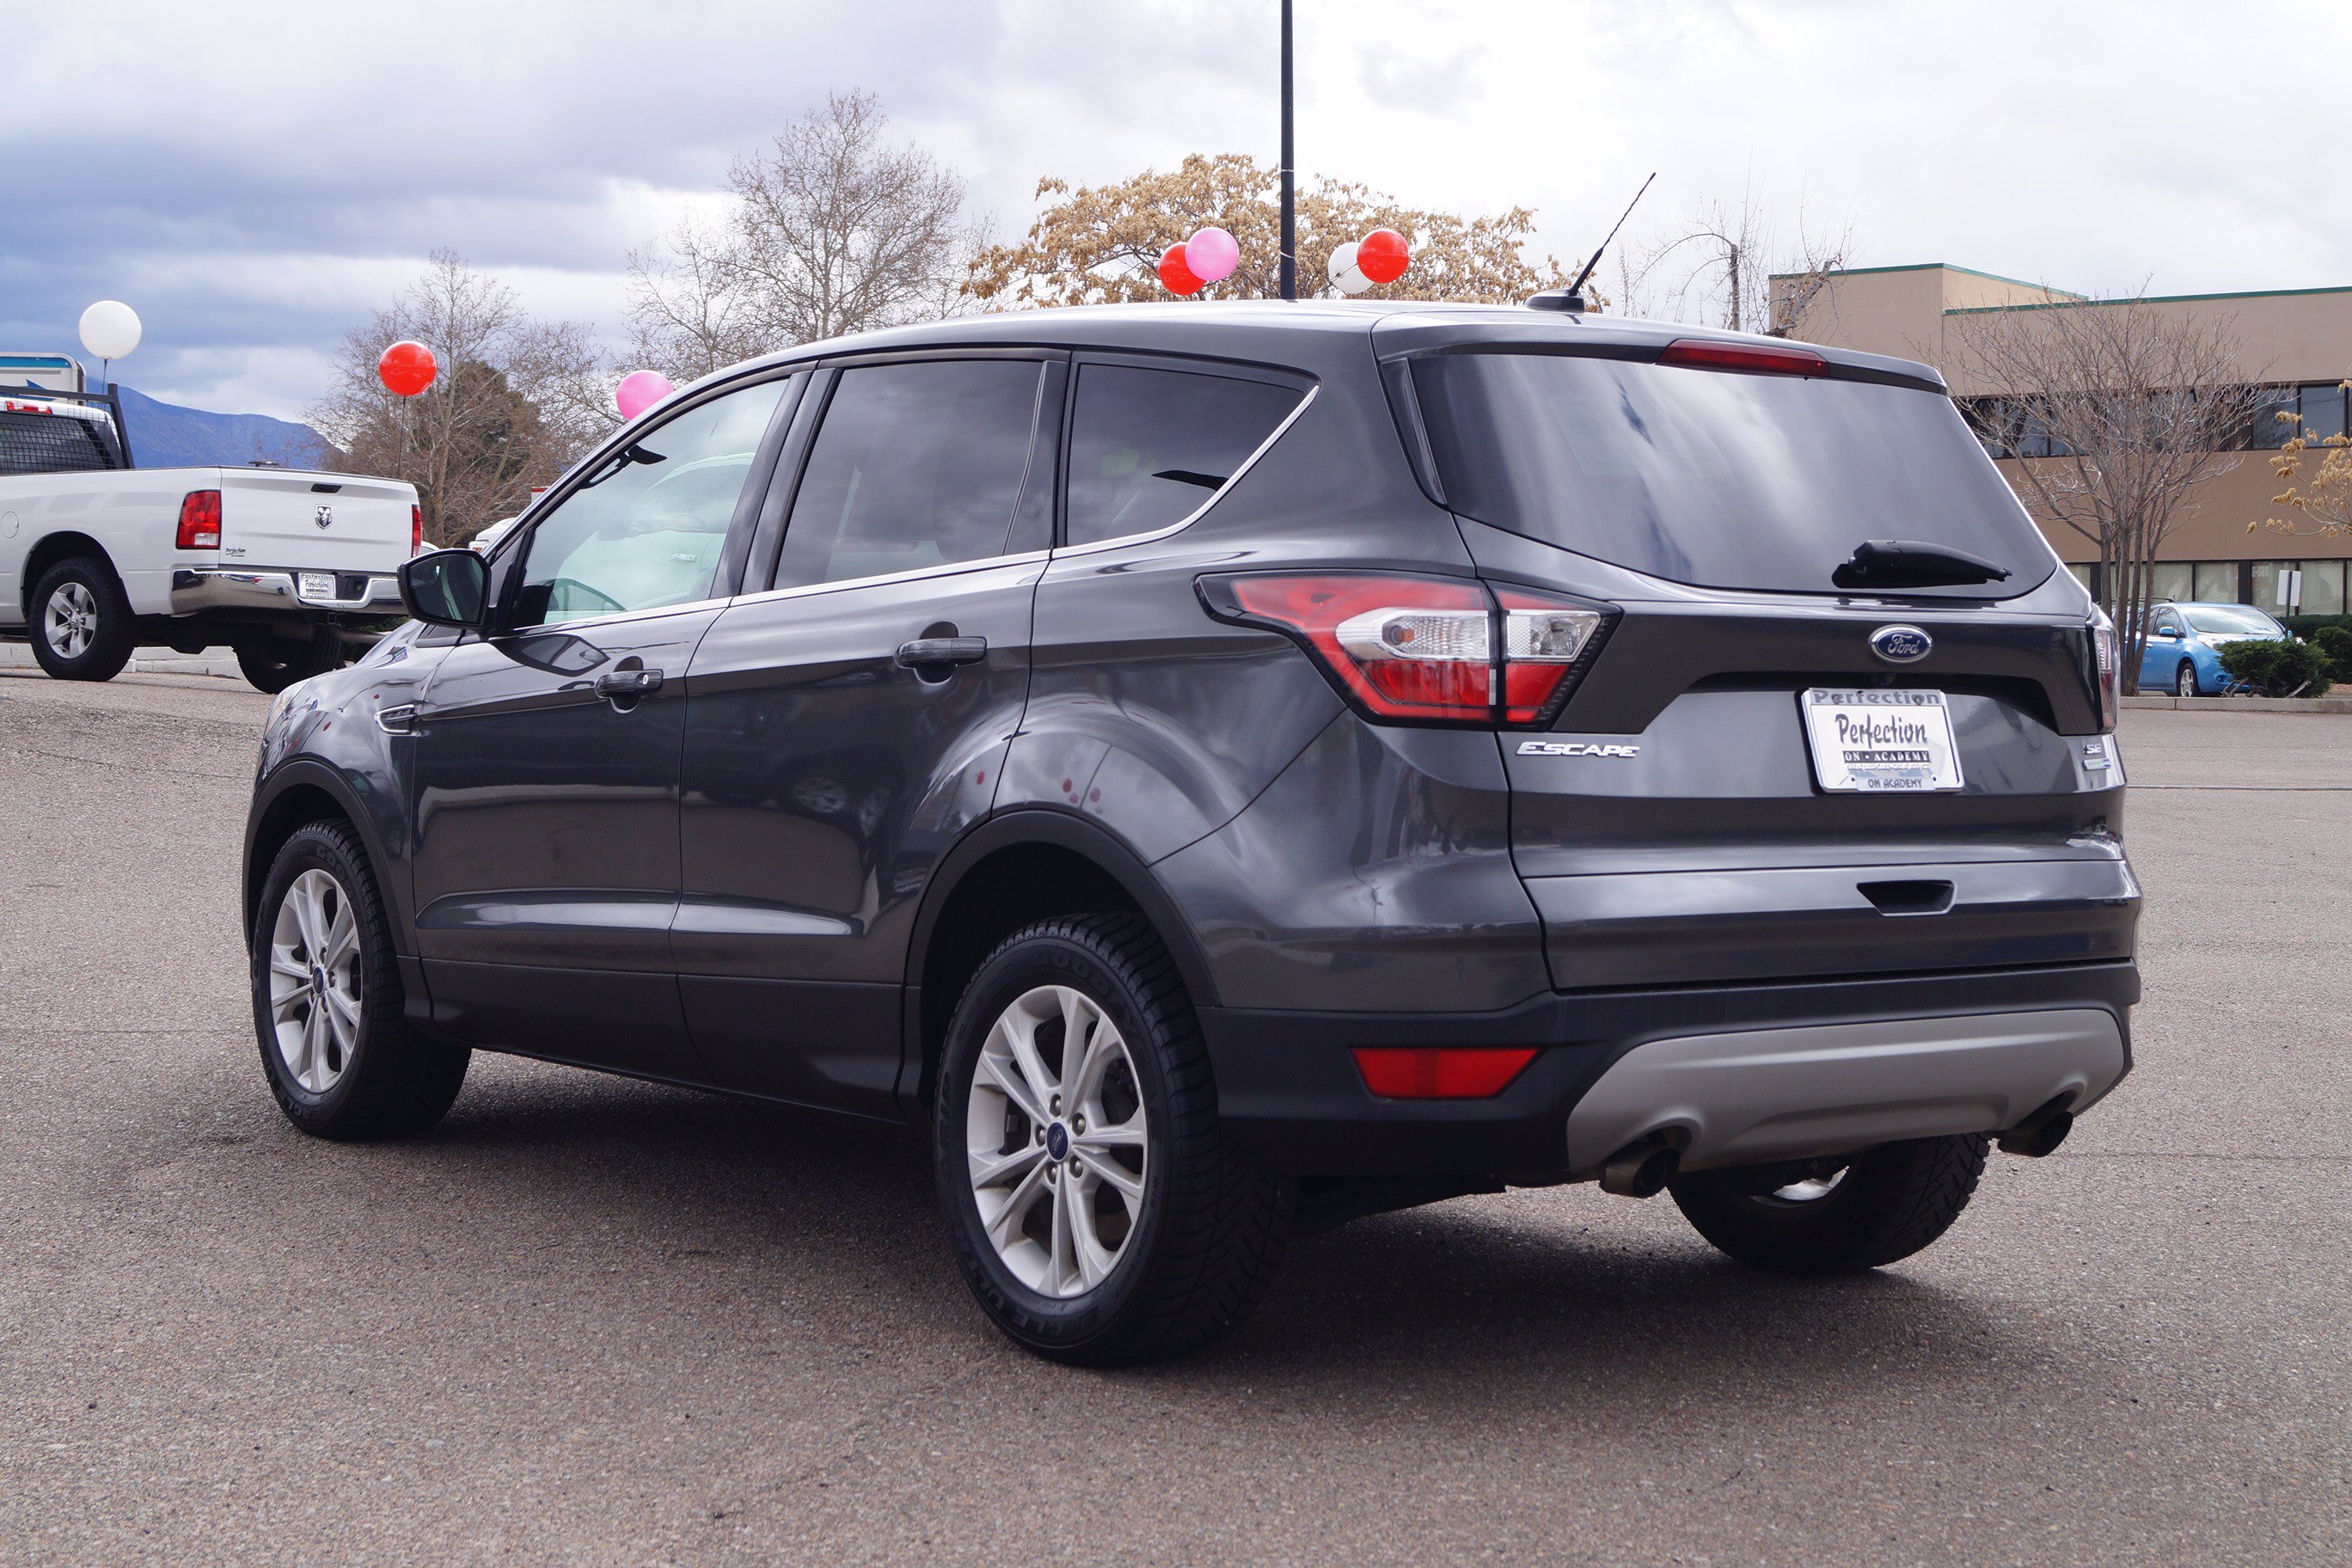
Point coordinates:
pixel 274 663
pixel 82 626
pixel 1884 1205
pixel 342 1059
pixel 1098 1208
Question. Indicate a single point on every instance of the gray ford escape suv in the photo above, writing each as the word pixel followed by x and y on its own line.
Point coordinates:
pixel 1233 768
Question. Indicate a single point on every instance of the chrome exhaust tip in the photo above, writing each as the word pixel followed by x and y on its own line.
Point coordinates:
pixel 1641 1170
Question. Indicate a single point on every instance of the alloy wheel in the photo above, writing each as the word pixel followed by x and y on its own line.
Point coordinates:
pixel 314 981
pixel 2185 683
pixel 69 620
pixel 1056 1142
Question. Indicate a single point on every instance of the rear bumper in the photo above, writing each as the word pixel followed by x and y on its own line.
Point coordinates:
pixel 1740 1073
pixel 276 590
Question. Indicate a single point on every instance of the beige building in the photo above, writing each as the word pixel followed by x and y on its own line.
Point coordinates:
pixel 2296 342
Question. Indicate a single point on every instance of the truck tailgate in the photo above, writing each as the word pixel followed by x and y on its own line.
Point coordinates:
pixel 334 522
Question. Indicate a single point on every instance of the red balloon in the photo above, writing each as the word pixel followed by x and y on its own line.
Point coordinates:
pixel 406 367
pixel 1383 256
pixel 1177 274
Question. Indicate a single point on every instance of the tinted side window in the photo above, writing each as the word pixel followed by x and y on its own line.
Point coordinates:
pixel 1147 446
pixel 646 528
pixel 916 465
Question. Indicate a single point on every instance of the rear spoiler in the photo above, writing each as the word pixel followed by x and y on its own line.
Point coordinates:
pixel 111 400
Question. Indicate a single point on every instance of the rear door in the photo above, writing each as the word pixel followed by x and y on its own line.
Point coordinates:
pixel 1683 819
pixel 845 725
pixel 544 856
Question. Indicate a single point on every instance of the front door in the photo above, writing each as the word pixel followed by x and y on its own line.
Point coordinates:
pixel 845 726
pixel 545 857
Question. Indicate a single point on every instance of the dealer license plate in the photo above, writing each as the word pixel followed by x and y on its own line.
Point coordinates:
pixel 316 586
pixel 1876 741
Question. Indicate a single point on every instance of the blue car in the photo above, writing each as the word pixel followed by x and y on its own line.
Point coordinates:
pixel 2185 643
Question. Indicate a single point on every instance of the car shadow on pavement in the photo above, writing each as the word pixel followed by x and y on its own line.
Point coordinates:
pixel 1522 1301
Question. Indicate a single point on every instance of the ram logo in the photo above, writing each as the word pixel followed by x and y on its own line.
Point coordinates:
pixel 1575 749
pixel 323 516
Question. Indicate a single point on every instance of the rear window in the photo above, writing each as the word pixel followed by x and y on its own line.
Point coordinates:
pixel 1719 478
pixel 53 444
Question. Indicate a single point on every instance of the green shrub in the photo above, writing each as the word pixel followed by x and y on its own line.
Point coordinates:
pixel 2335 646
pixel 2306 626
pixel 2277 668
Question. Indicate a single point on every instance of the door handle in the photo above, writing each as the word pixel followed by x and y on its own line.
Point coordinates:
pixel 942 650
pixel 624 685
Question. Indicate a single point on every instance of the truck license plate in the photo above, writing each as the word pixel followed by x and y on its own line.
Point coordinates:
pixel 316 586
pixel 1875 740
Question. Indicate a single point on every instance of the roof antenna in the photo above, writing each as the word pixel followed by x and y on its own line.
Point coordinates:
pixel 1571 299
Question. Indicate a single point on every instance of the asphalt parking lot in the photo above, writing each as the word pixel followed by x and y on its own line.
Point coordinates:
pixel 593 1322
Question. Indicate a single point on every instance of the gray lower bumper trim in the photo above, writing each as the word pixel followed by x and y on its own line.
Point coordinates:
pixel 1783 1094
pixel 264 588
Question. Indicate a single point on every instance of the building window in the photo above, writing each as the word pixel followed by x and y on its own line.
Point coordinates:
pixel 2215 583
pixel 2323 412
pixel 2268 430
pixel 2172 580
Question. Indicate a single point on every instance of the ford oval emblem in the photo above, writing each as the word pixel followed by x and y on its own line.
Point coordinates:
pixel 1901 645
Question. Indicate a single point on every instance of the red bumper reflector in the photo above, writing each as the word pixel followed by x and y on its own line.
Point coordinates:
pixel 1440 1072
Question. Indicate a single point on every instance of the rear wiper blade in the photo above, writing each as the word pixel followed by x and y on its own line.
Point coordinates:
pixel 1913 564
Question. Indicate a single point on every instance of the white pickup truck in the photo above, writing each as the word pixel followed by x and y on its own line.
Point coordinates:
pixel 98 557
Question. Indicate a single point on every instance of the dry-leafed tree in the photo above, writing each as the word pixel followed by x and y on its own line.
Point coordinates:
pixel 1727 266
pixel 834 227
pixel 2325 499
pixel 515 403
pixel 1102 244
pixel 2119 410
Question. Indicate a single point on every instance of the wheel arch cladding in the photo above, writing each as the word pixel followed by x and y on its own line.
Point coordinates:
pixel 1014 869
pixel 300 794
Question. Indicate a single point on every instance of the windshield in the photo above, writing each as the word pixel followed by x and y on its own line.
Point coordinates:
pixel 1713 477
pixel 2242 619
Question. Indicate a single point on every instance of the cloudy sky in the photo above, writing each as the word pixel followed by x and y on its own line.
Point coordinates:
pixel 255 178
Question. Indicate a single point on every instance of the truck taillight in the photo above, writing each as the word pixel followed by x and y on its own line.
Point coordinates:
pixel 200 515
pixel 415 529
pixel 2104 672
pixel 1424 649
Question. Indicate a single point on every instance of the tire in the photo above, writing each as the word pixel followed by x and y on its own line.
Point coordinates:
pixel 2184 679
pixel 1192 1250
pixel 1885 1204
pixel 352 1069
pixel 81 624
pixel 274 663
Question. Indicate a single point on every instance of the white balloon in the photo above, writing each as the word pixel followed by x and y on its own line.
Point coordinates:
pixel 1342 270
pixel 110 330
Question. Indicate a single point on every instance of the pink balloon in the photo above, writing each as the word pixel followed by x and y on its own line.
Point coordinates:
pixel 640 390
pixel 1212 254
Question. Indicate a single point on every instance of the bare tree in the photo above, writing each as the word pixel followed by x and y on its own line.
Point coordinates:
pixel 2118 410
pixel 515 401
pixel 1727 267
pixel 832 228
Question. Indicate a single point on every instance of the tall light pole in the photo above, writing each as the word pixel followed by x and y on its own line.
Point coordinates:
pixel 1289 174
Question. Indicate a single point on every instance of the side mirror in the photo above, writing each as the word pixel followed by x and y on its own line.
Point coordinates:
pixel 446 588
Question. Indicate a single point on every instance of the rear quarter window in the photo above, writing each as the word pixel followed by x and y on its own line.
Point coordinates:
pixel 1150 446
pixel 1713 478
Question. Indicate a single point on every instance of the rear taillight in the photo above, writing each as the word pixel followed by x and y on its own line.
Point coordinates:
pixel 1441 1072
pixel 200 515
pixel 1427 651
pixel 2103 669
pixel 1764 359
pixel 415 529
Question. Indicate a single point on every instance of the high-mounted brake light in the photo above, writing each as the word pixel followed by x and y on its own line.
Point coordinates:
pixel 200 521
pixel 1763 359
pixel 1441 1072
pixel 1424 649
pixel 415 529
pixel 2103 673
